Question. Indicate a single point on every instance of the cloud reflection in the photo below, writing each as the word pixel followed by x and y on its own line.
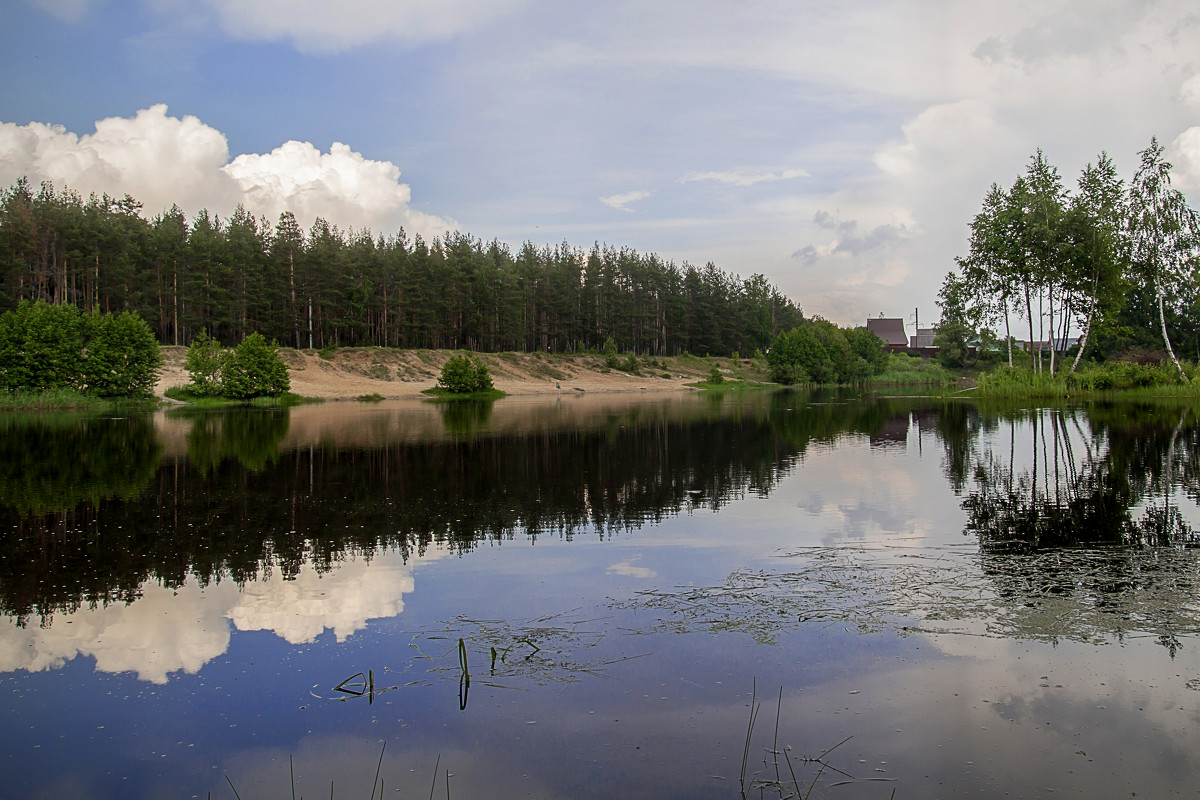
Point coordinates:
pixel 166 631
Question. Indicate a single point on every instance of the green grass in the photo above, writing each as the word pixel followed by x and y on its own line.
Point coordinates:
pixel 1111 379
pixel 373 397
pixel 437 393
pixel 731 386
pixel 185 394
pixel 63 399
pixel 906 370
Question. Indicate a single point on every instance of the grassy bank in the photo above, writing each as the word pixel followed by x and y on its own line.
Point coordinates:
pixel 65 399
pixel 906 370
pixel 185 395
pixel 1108 379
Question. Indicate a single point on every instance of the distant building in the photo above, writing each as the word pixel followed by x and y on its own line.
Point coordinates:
pixel 891 330
pixel 923 339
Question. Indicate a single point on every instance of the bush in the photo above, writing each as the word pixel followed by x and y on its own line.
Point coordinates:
pixel 610 353
pixel 205 357
pixel 463 374
pixel 121 357
pixel 50 348
pixel 797 357
pixel 40 347
pixel 715 376
pixel 254 369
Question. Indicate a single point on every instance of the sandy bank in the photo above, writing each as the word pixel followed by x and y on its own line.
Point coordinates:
pixel 395 374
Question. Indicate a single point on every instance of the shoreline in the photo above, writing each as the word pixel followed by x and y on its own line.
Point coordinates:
pixel 350 373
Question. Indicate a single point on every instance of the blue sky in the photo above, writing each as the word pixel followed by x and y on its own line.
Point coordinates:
pixel 838 148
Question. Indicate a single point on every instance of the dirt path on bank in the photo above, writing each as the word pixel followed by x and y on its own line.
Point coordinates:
pixel 356 371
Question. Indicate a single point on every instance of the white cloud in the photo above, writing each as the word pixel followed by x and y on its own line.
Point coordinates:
pixel 1185 153
pixel 621 201
pixel 160 160
pixel 326 26
pixel 743 176
pixel 66 10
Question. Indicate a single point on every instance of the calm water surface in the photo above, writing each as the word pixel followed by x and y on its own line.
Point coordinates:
pixel 594 597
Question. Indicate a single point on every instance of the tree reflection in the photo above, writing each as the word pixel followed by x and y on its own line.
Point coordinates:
pixel 54 463
pixel 249 435
pixel 238 505
pixel 1082 478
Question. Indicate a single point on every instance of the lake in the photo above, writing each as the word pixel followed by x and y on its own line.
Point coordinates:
pixel 832 594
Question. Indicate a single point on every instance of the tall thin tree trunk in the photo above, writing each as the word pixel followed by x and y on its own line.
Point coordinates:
pixel 1029 314
pixel 1162 321
pixel 1053 332
pixel 1087 329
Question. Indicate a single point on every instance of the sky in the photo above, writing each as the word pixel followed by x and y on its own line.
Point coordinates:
pixel 840 149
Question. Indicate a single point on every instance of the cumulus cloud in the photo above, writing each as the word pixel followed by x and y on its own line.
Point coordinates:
pixel 328 26
pixel 743 176
pixel 160 160
pixel 621 201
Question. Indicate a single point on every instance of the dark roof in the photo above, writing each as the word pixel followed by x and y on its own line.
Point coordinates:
pixel 890 329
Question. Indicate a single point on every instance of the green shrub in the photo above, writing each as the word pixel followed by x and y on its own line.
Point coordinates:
pixel 205 358
pixel 797 357
pixel 121 357
pixel 463 374
pixel 610 353
pixel 254 369
pixel 49 348
pixel 715 376
pixel 40 347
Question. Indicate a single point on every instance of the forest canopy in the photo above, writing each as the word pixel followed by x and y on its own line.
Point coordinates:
pixel 326 287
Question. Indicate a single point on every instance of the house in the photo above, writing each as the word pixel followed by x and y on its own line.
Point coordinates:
pixel 923 339
pixel 891 331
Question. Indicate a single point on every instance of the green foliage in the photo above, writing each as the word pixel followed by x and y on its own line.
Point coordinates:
pixel 464 374
pixel 610 353
pixel 45 348
pixel 1111 376
pixel 797 357
pixel 820 352
pixel 121 358
pixel 715 375
pixel 40 348
pixel 869 347
pixel 205 358
pixel 905 370
pixel 254 369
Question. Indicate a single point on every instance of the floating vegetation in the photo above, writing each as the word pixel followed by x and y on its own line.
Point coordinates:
pixel 556 648
pixel 1095 596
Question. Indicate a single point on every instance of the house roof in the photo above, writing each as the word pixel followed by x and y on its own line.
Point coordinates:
pixel 890 329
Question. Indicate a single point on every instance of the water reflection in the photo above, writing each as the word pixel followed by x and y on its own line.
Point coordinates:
pixel 614 569
pixel 1083 477
pixel 251 436
pixel 66 461
pixel 1080 525
pixel 242 502
pixel 466 417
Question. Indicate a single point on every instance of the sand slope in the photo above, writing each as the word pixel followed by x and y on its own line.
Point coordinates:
pixel 355 371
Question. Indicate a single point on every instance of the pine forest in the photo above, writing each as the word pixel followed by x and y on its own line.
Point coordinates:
pixel 326 287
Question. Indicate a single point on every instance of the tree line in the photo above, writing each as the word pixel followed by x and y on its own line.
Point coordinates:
pixel 326 287
pixel 1117 264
